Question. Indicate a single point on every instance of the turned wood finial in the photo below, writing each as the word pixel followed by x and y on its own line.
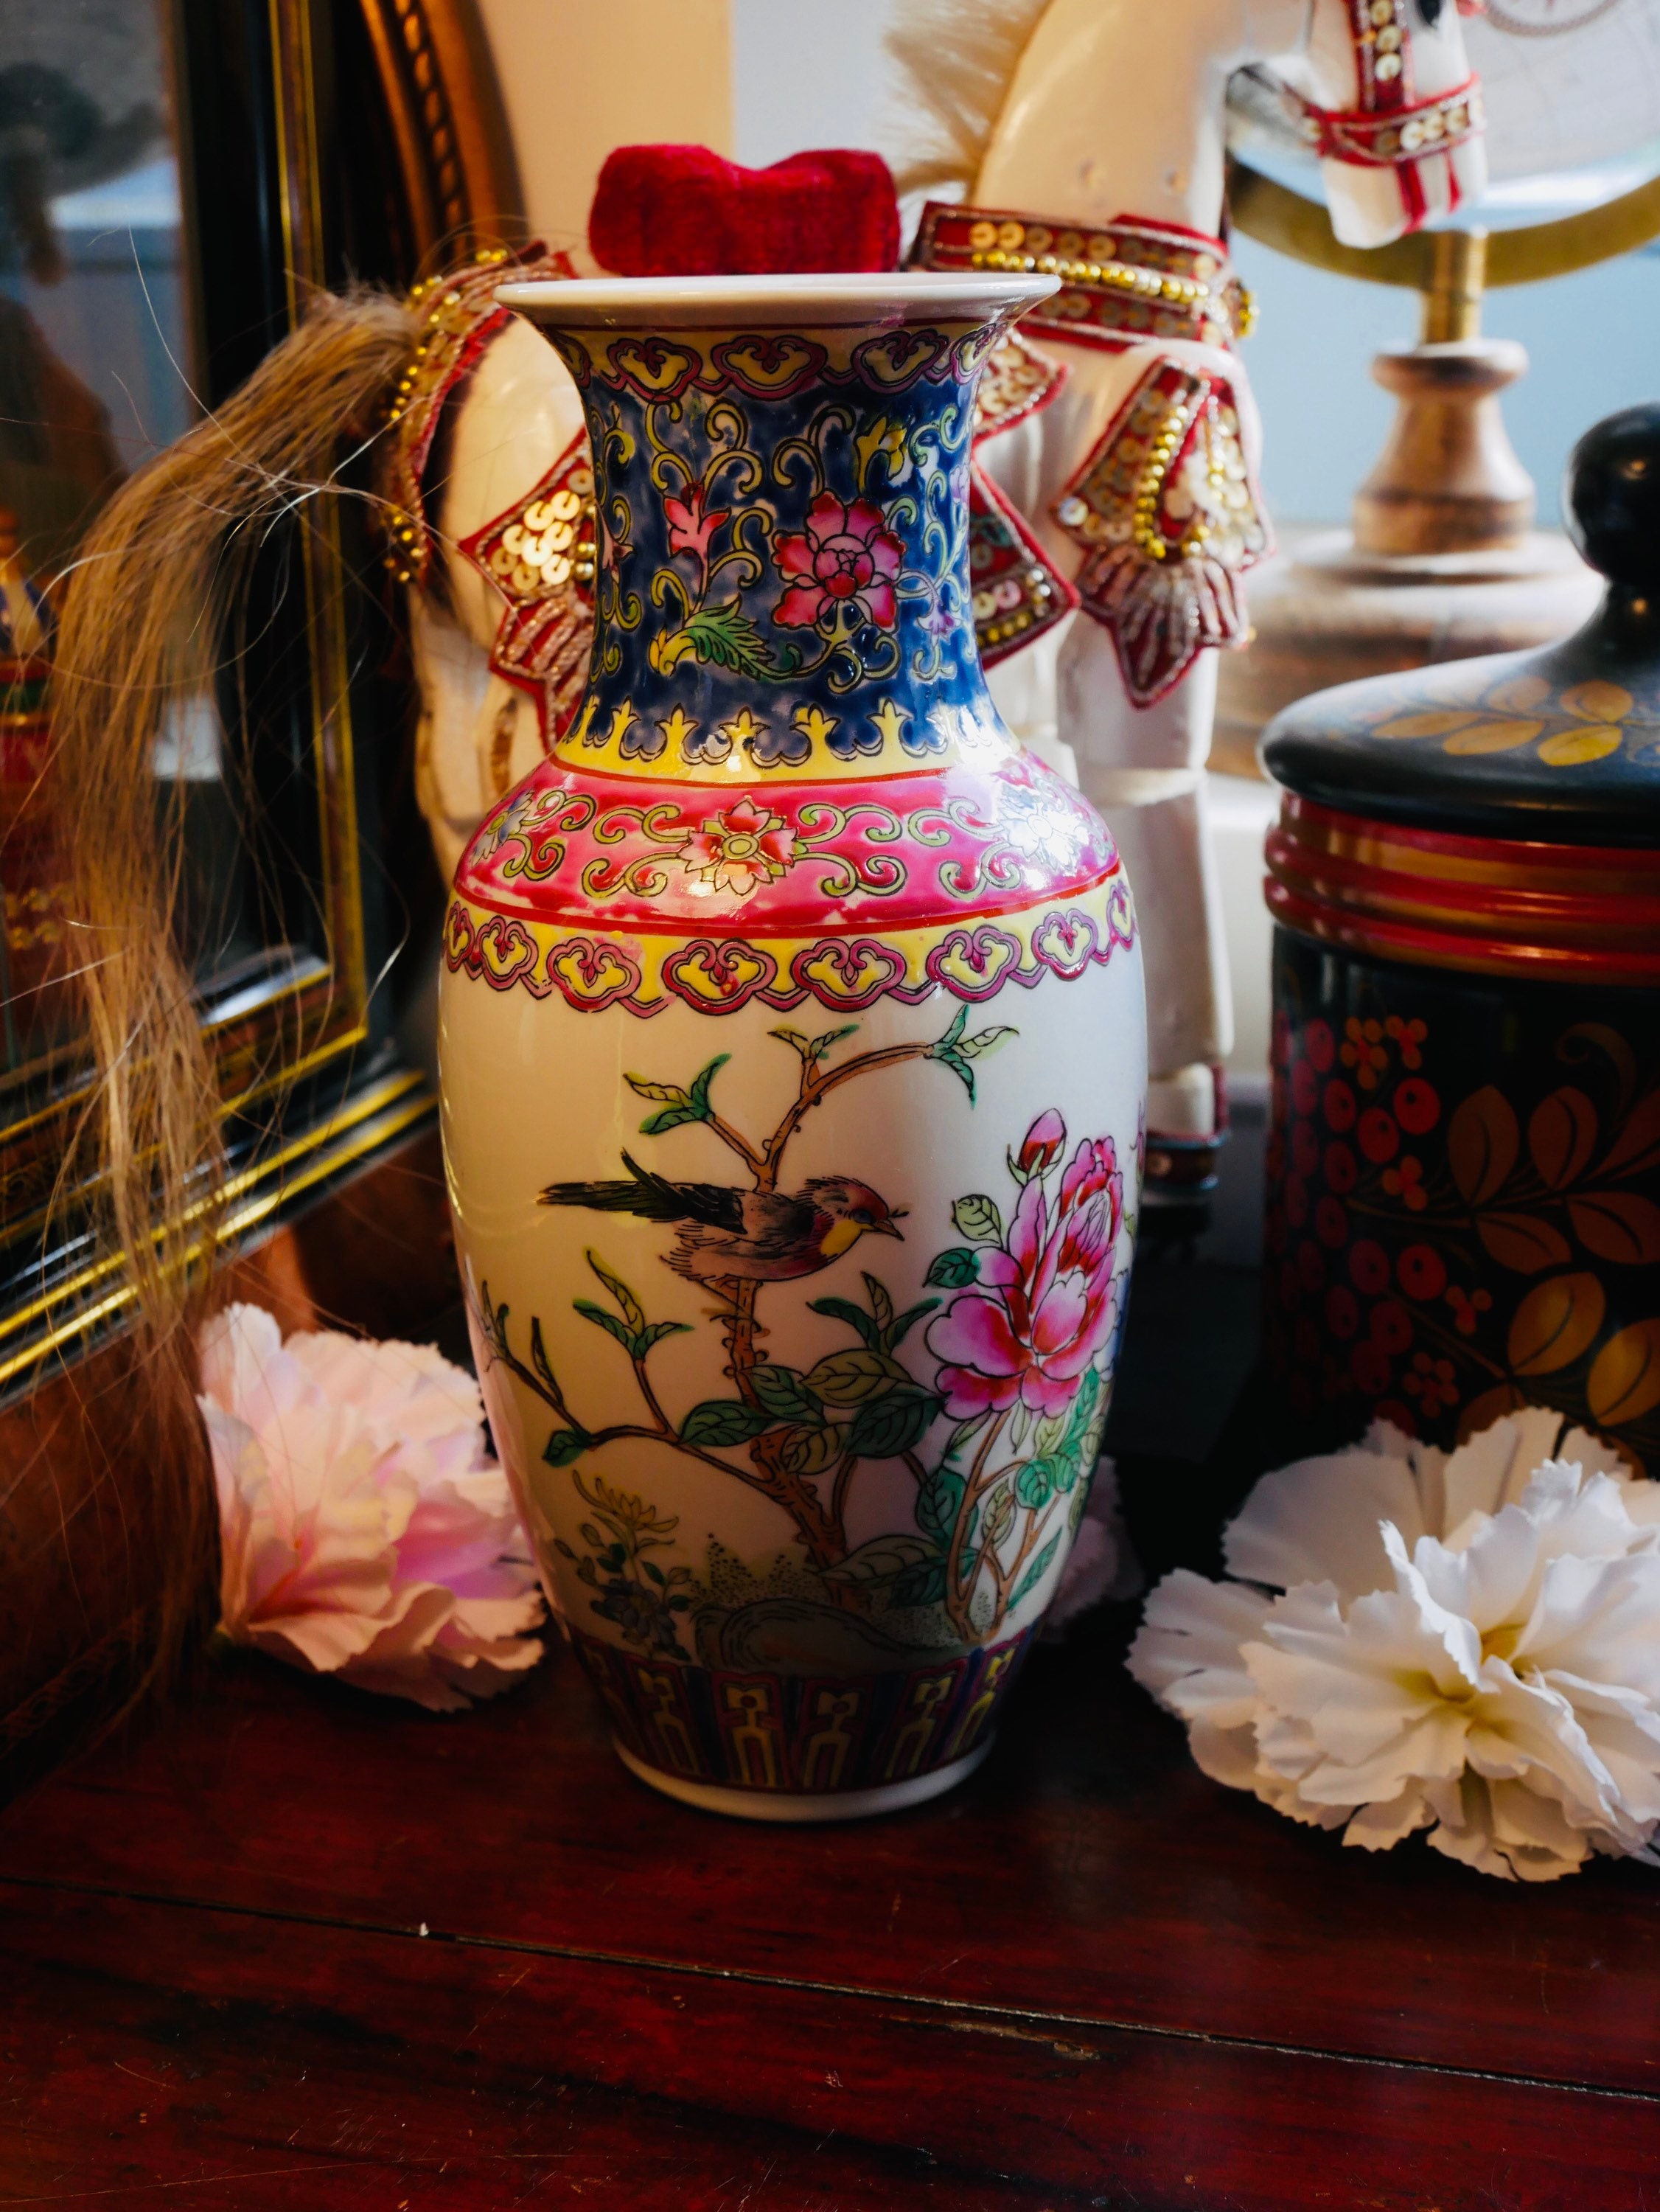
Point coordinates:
pixel 1448 480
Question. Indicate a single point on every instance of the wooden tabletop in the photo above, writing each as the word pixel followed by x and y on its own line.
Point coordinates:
pixel 299 1946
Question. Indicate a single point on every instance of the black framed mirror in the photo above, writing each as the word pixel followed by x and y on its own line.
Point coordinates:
pixel 176 177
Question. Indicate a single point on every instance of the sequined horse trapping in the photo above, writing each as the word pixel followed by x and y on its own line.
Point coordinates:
pixel 540 557
pixel 1168 519
pixel 1163 506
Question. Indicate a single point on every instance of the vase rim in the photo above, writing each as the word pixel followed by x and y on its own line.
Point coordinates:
pixel 785 302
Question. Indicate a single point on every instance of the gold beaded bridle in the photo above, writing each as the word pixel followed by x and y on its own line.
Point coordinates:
pixel 460 315
pixel 1164 583
pixel 1121 284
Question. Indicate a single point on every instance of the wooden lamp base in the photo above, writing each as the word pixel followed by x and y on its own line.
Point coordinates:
pixel 1329 613
pixel 1442 561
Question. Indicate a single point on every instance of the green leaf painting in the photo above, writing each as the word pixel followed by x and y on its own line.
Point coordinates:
pixel 951 1270
pixel 895 1423
pixel 978 1216
pixel 721 1421
pixel 725 636
pixel 1035 1573
pixel 844 1310
pixel 782 1391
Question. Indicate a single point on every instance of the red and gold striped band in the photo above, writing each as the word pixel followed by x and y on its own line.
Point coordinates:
pixel 1488 906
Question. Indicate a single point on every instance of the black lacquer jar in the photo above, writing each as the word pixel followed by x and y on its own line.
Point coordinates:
pixel 1463 1207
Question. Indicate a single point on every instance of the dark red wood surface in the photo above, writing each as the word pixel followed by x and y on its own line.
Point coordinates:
pixel 1090 1977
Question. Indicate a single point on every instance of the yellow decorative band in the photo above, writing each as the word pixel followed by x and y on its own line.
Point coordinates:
pixel 889 738
pixel 593 970
pixel 1135 277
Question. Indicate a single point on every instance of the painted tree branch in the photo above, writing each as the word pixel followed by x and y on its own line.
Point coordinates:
pixel 813 1089
pixel 958 1593
pixel 542 1381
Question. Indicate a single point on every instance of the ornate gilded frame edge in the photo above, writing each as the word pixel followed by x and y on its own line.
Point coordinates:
pixel 459 173
pixel 330 1005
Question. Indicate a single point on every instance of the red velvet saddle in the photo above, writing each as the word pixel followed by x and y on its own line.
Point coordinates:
pixel 683 211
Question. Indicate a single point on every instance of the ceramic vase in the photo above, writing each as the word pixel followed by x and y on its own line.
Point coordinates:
pixel 793 1050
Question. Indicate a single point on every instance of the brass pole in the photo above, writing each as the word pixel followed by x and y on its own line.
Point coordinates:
pixel 1458 278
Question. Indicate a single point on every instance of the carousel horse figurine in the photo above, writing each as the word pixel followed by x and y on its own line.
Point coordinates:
pixel 494 537
pixel 1089 136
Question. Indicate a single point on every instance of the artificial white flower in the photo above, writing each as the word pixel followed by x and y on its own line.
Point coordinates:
pixel 363 1525
pixel 1466 1644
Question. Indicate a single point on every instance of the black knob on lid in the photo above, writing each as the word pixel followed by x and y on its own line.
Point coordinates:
pixel 1612 494
pixel 1560 746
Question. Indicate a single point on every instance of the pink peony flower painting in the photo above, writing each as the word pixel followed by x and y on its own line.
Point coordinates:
pixel 366 1531
pixel 1042 1310
pixel 847 559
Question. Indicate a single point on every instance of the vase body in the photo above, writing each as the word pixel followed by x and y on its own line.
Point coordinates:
pixel 793 1053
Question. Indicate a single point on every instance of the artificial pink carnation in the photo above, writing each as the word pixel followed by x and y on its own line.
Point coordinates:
pixel 364 1530
pixel 846 557
pixel 1043 1308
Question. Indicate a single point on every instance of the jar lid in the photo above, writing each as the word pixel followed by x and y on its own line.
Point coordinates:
pixel 1557 747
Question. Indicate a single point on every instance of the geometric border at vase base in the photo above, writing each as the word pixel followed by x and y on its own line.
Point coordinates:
pixel 795 1740
pixel 803 1811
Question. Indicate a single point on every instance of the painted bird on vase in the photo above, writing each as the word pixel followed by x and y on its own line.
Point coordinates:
pixel 758 1236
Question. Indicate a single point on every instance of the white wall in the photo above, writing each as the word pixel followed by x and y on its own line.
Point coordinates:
pixel 580 76
pixel 805 73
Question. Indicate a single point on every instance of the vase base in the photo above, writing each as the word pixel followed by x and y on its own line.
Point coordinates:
pixel 803 1807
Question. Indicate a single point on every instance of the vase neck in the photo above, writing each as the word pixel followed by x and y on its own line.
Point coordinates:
pixel 782 586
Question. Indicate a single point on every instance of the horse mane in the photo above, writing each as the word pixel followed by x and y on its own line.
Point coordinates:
pixel 153 617
pixel 954 61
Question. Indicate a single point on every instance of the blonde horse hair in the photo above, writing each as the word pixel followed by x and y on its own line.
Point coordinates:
pixel 956 61
pixel 150 615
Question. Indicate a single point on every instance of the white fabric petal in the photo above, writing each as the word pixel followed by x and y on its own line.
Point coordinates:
pixel 1493 1578
pixel 1378 1827
pixel 1186 1651
pixel 1492 1470
pixel 1467 1645
pixel 1502 1829
pixel 1599 1618
pixel 1316 1521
